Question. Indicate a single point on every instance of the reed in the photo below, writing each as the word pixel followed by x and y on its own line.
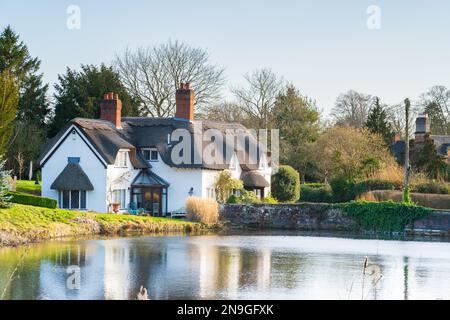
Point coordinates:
pixel 202 210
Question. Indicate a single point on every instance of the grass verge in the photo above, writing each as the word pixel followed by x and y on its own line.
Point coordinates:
pixel 21 224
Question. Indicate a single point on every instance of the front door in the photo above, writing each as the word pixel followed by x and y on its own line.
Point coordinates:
pixel 152 201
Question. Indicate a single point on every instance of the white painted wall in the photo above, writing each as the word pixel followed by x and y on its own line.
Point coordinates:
pixel 181 181
pixel 120 178
pixel 74 146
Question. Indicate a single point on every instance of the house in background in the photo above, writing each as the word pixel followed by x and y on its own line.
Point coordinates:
pixel 423 128
pixel 107 164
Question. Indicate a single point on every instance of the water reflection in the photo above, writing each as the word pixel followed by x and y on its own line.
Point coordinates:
pixel 229 267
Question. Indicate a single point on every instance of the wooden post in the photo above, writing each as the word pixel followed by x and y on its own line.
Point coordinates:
pixel 407 166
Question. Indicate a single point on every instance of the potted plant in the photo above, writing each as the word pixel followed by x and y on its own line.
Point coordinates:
pixel 115 207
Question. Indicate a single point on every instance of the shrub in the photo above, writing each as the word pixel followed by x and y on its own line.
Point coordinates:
pixel 383 216
pixel 375 184
pixel 286 184
pixel 31 200
pixel 225 184
pixel 343 189
pixel 316 192
pixel 233 199
pixel 432 187
pixel 269 200
pixel 4 176
pixel 202 210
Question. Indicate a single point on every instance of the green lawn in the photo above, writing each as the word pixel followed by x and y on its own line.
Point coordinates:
pixel 21 224
pixel 27 186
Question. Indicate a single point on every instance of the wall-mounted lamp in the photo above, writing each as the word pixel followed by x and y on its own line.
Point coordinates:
pixel 191 192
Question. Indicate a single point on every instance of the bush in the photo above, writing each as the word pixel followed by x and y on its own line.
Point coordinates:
pixel 383 216
pixel 432 187
pixel 202 210
pixel 31 200
pixel 233 199
pixel 286 184
pixel 269 200
pixel 243 196
pixel 316 192
pixel 343 189
pixel 375 184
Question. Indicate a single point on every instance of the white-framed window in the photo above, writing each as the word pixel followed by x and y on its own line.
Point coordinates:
pixel 73 199
pixel 263 161
pixel 119 196
pixel 122 159
pixel 150 154
pixel 233 162
pixel 211 193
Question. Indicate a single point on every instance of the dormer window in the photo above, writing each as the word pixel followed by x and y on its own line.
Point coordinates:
pixel 122 159
pixel 150 154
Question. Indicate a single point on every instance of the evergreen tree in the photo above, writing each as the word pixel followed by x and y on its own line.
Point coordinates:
pixel 424 158
pixel 33 107
pixel 298 121
pixel 378 122
pixel 78 94
pixel 9 97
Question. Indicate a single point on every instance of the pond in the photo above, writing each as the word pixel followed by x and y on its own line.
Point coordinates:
pixel 254 266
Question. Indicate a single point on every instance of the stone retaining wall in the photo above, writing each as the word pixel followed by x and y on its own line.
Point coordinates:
pixel 315 216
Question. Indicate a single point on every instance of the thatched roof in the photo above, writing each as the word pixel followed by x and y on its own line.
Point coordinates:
pixel 72 178
pixel 253 179
pixel 137 133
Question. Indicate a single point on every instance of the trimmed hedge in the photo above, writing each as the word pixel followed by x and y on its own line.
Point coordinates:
pixel 375 184
pixel 343 189
pixel 316 192
pixel 31 200
pixel 432 187
pixel 286 184
pixel 383 216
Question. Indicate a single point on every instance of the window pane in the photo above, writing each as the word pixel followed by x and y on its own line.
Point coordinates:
pixel 74 199
pixel 146 154
pixel 83 199
pixel 65 201
pixel 154 155
pixel 123 201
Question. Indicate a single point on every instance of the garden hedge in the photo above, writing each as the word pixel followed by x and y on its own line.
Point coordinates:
pixel 31 200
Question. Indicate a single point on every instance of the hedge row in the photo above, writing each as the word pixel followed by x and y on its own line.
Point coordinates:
pixel 316 192
pixel 344 190
pixel 31 200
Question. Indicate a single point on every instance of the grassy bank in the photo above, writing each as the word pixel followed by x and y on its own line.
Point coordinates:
pixel 27 186
pixel 21 224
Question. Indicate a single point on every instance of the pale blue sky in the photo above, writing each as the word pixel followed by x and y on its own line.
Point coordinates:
pixel 323 47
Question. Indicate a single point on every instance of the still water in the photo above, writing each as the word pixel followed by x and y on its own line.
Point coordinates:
pixel 228 267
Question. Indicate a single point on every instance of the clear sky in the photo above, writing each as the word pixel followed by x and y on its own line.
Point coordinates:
pixel 323 47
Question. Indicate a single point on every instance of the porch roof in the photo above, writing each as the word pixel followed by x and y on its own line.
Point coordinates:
pixel 254 179
pixel 72 178
pixel 147 178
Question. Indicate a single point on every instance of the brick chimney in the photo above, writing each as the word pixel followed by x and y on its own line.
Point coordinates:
pixel 111 109
pixel 184 98
pixel 423 126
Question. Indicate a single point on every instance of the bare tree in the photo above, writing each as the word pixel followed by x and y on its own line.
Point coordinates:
pixel 153 74
pixel 21 163
pixel 259 96
pixel 225 112
pixel 352 108
pixel 436 103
